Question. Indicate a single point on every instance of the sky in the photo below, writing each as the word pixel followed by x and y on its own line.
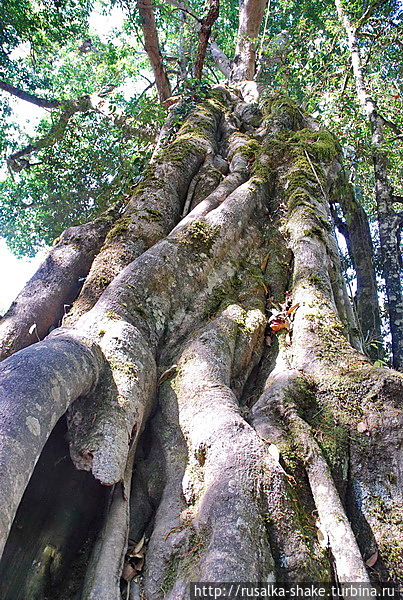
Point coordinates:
pixel 15 272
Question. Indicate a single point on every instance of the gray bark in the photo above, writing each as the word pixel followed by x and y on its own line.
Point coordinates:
pixel 250 18
pixel 37 385
pixel 48 295
pixel 249 436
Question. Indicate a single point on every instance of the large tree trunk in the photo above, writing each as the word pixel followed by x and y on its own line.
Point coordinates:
pixel 262 448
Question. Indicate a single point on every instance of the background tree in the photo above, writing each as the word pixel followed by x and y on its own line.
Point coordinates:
pixel 205 409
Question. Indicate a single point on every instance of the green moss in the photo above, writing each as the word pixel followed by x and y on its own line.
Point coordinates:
pixel 200 126
pixel 111 315
pixel 140 310
pixel 199 234
pixel 223 295
pixel 261 173
pixel 300 198
pixel 321 145
pixel 392 554
pixel 102 281
pixel 242 323
pixel 170 574
pixel 249 150
pixel 334 442
pixel 119 230
pixel 277 104
pixel 181 148
pixel 151 215
pixel 315 279
pixel 315 231
pixel 128 368
pixel 184 562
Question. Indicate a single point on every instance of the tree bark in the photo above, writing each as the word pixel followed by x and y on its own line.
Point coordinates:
pixel 49 294
pixel 253 436
pixel 250 18
pixel 355 229
pixel 204 35
pixel 153 50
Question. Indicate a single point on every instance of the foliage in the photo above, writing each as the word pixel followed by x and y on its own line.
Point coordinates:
pixel 302 51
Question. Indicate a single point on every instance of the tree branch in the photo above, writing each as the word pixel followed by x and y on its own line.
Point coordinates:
pixel 55 133
pixel 204 35
pixel 153 49
pixel 219 57
pixel 221 60
pixel 183 7
pixel 250 18
pixel 42 102
pixel 369 12
pixel 391 125
pixel 95 102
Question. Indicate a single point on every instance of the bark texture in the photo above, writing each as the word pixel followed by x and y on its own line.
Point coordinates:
pixel 204 35
pixel 49 294
pixel 213 382
pixel 146 11
pixel 354 227
pixel 250 18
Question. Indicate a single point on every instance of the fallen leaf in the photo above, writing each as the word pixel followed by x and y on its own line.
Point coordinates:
pixel 167 374
pixel 291 310
pixel 264 262
pixel 372 559
pixel 139 546
pixel 128 572
pixel 278 324
pixel 362 426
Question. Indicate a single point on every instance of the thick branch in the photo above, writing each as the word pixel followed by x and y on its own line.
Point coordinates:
pixel 219 57
pixel 43 301
pixel 42 102
pixel 155 206
pixel 204 35
pixel 250 19
pixel 152 47
pixel 95 102
pixel 37 386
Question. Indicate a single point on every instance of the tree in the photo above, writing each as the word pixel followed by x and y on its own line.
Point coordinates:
pixel 212 352
pixel 389 220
